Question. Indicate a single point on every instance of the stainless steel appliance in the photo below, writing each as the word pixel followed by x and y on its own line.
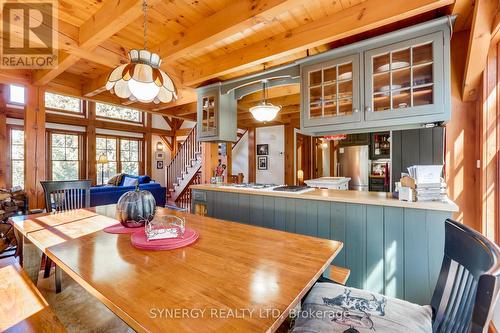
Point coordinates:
pixel 353 162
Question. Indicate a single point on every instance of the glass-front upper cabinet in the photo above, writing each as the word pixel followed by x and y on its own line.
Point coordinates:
pixel 209 104
pixel 404 79
pixel 330 92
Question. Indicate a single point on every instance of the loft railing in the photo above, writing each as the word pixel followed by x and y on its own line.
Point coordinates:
pixel 185 157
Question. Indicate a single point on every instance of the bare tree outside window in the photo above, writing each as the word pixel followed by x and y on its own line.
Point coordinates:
pixel 129 156
pixel 60 102
pixel 117 112
pixel 107 147
pixel 17 157
pixel 65 156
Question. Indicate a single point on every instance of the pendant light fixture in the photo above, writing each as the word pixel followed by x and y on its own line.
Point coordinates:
pixel 264 111
pixel 142 80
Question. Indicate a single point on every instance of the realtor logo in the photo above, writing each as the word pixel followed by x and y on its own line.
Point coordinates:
pixel 29 34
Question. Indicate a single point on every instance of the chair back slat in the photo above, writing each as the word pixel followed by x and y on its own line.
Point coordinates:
pixel 467 287
pixel 64 195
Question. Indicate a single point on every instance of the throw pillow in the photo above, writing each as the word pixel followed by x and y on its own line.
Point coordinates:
pixel 334 308
pixel 115 180
pixel 129 181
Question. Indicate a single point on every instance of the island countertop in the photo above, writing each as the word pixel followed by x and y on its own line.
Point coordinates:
pixel 356 197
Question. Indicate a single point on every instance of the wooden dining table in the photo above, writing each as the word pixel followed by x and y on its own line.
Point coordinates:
pixel 234 278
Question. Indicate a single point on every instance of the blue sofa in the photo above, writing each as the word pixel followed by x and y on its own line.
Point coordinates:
pixel 109 194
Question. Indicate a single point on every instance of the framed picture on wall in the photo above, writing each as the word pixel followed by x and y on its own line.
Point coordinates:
pixel 159 164
pixel 262 162
pixel 263 149
pixel 160 155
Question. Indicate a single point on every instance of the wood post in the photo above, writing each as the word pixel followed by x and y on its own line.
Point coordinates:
pixel 251 155
pixel 35 156
pixel 4 176
pixel 148 145
pixel 490 147
pixel 209 155
pixel 91 144
pixel 289 155
pixel 229 161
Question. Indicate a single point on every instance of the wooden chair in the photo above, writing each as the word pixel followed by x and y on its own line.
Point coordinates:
pixel 61 196
pixel 465 294
pixel 66 195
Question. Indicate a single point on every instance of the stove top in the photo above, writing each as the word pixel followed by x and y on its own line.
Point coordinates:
pixel 291 188
pixel 253 185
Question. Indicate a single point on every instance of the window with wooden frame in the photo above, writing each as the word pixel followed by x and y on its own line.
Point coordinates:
pixel 129 156
pixel 16 94
pixel 16 156
pixel 124 155
pixel 61 103
pixel 120 113
pixel 106 146
pixel 65 155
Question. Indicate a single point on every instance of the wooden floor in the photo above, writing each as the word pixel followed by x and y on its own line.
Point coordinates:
pixel 7 261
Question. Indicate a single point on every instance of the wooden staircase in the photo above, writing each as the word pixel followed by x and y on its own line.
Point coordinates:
pixel 183 167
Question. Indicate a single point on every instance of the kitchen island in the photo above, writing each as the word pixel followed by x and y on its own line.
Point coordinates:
pixel 391 247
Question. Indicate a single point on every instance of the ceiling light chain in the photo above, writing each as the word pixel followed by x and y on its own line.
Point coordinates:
pixel 142 80
pixel 145 9
pixel 264 111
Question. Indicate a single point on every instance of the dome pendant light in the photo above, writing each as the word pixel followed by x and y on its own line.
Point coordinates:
pixel 142 80
pixel 264 111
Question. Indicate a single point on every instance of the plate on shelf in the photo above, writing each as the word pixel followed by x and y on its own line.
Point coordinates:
pixel 345 76
pixel 395 65
pixel 389 87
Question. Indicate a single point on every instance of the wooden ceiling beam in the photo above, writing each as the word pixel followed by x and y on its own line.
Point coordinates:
pixel 65 61
pixel 233 19
pixel 282 100
pixel 273 92
pixel 365 16
pixel 113 16
pixel 479 45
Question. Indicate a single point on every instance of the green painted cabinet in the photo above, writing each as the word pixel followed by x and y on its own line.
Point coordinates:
pixel 216 115
pixel 393 251
pixel 399 80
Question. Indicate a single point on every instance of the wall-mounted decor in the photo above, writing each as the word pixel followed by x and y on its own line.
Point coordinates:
pixel 263 149
pixel 160 155
pixel 159 164
pixel 262 162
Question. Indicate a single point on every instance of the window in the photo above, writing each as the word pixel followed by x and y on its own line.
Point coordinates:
pixel 65 157
pixel 107 147
pixel 60 102
pixel 117 112
pixel 16 94
pixel 17 157
pixel 129 156
pixel 124 156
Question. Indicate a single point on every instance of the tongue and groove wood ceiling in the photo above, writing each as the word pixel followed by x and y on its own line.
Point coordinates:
pixel 203 41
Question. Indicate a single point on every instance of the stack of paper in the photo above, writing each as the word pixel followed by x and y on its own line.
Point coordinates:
pixel 423 183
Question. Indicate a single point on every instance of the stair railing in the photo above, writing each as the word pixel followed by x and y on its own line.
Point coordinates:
pixel 182 159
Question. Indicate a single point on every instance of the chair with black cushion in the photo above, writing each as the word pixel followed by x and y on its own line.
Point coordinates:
pixel 463 299
pixel 61 196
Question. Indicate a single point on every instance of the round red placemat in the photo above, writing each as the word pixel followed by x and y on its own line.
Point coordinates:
pixel 120 229
pixel 140 241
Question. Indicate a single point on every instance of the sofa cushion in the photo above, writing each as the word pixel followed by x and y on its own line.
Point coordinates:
pixel 145 179
pixel 129 181
pixel 335 308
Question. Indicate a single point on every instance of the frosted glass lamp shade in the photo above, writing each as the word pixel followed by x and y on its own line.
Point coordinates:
pixel 264 111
